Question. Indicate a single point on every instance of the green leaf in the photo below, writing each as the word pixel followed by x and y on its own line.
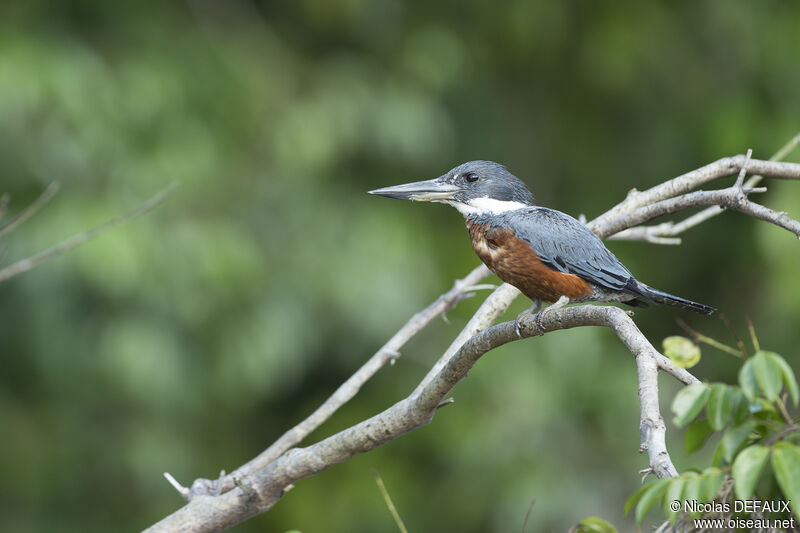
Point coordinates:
pixel 712 482
pixel 682 351
pixel 786 467
pixel 747 379
pixel 692 489
pixel 789 380
pixel 651 495
pixel 719 406
pixel 634 498
pixel 696 435
pixel 740 406
pixel 594 524
pixel 718 459
pixel 746 469
pixel 764 410
pixel 733 439
pixel 674 491
pixel 768 375
pixel 689 402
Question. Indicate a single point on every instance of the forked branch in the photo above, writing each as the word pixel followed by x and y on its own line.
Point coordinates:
pixel 206 513
pixel 388 353
pixel 258 485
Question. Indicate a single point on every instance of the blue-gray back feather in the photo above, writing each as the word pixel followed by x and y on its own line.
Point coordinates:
pixel 565 245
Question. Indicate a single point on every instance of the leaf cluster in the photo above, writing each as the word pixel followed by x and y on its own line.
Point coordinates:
pixel 757 455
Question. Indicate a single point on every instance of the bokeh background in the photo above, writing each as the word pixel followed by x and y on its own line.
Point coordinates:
pixel 188 340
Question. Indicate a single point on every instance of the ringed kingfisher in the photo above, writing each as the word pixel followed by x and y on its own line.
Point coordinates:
pixel 546 254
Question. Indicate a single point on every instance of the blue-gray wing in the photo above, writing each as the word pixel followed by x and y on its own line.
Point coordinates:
pixel 566 245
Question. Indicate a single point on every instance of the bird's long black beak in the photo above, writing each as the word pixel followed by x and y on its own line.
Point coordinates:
pixel 421 191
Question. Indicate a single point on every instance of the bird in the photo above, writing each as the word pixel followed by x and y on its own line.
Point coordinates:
pixel 546 254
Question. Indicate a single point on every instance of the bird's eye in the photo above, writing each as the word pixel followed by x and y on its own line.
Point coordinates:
pixel 471 177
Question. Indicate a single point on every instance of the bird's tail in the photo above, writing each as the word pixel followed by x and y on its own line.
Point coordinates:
pixel 652 295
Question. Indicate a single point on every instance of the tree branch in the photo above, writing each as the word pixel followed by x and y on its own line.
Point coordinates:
pixel 260 486
pixel 267 486
pixel 733 198
pixel 388 353
pixel 686 182
pixel 666 232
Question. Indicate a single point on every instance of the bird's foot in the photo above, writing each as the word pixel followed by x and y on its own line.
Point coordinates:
pixel 537 304
pixel 561 302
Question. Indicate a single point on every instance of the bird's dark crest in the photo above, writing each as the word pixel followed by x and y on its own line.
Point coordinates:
pixel 494 181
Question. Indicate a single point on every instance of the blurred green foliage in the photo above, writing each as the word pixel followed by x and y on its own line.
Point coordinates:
pixel 191 338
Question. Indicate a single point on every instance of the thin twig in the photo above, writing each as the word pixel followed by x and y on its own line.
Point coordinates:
pixel 736 338
pixel 389 504
pixel 783 411
pixel 35 260
pixel 786 149
pixel 753 338
pixel 649 234
pixel 528 515
pixel 743 172
pixel 29 211
pixel 780 155
pixel 482 287
pixel 4 204
pixel 183 491
pixel 665 233
pixel 699 337
pixel 778 436
pixel 445 403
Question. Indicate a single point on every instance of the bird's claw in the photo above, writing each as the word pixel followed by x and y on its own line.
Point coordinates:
pixel 533 309
pixel 561 302
pixel 539 316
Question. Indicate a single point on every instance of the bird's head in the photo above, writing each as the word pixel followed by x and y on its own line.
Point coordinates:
pixel 474 188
